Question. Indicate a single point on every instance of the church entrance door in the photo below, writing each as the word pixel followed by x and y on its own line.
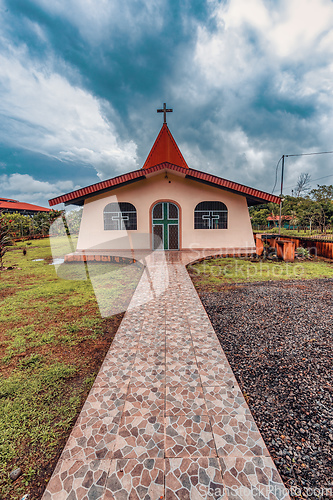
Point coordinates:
pixel 165 219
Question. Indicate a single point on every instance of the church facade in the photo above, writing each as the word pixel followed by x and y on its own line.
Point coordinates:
pixel 166 205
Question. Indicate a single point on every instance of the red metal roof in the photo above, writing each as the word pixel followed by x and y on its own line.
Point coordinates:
pixel 7 204
pixel 8 199
pixel 165 149
pixel 277 217
pixel 251 194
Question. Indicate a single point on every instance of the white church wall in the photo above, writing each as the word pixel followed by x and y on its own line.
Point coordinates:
pixel 186 193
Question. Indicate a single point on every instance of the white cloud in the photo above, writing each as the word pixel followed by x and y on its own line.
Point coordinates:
pixel 26 188
pixel 257 83
pixel 236 157
pixel 244 160
pixel 256 36
pixel 42 112
pixel 266 62
pixel 239 12
pixel 289 28
pixel 299 26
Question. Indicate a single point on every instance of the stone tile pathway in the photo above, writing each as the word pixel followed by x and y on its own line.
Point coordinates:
pixel 165 418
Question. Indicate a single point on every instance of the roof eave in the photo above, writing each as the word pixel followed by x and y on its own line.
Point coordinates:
pixel 80 200
pixel 76 197
pixel 253 196
pixel 251 199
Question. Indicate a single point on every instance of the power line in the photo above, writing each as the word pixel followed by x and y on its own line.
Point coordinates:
pixel 312 180
pixel 325 177
pixel 300 154
pixel 276 171
pixel 310 154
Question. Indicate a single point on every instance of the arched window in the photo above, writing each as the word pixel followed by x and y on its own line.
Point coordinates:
pixel 119 216
pixel 211 215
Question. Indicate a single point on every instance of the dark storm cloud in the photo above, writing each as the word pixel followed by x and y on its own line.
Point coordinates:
pixel 248 81
pixel 132 56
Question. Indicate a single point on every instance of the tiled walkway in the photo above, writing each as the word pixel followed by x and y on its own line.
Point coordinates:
pixel 165 417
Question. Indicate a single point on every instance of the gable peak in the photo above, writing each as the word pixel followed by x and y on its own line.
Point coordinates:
pixel 165 149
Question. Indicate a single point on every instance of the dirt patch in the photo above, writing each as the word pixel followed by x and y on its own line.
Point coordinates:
pixel 279 342
pixel 6 292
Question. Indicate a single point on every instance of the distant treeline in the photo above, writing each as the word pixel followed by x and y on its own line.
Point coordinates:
pixel 30 226
pixel 313 211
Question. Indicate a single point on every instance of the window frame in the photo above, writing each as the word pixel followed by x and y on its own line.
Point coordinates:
pixel 125 218
pixel 219 213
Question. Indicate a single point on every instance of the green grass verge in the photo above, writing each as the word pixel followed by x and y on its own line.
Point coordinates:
pixel 213 273
pixel 36 410
pixel 53 339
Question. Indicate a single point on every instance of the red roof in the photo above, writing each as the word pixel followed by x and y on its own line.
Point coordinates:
pixel 14 205
pixel 254 196
pixel 165 149
pixel 277 217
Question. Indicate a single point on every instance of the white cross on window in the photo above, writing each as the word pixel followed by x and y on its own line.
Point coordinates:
pixel 211 217
pixel 120 219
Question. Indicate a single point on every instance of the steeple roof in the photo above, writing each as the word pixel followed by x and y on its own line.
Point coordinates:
pixel 165 149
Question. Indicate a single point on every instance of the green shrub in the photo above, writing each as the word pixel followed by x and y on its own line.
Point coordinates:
pixel 302 253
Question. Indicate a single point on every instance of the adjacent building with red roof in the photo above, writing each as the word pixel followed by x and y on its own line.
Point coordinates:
pixel 273 221
pixel 12 206
pixel 166 205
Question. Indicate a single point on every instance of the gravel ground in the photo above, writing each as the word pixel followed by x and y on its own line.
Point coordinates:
pixel 278 339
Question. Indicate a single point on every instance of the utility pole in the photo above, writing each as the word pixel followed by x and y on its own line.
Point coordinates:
pixel 282 173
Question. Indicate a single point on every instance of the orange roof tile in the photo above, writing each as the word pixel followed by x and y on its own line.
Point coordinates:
pixel 165 149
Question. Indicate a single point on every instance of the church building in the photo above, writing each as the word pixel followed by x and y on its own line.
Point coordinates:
pixel 166 205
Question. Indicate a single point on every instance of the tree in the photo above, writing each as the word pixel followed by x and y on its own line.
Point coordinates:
pixel 4 240
pixel 322 193
pixel 294 219
pixel 74 220
pixel 323 196
pixel 289 205
pixel 274 211
pixel 314 210
pixel 20 225
pixel 303 184
pixel 259 217
pixel 308 212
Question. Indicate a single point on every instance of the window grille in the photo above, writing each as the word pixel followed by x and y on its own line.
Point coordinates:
pixel 211 215
pixel 158 211
pixel 120 216
pixel 173 211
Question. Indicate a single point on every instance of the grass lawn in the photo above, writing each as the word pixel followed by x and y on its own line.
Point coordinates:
pixel 211 274
pixel 53 340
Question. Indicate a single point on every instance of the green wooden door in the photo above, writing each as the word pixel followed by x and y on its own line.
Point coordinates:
pixel 165 218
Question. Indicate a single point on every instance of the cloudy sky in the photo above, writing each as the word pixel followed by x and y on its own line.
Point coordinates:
pixel 80 82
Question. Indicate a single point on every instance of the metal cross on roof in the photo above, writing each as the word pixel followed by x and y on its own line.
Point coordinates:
pixel 165 111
